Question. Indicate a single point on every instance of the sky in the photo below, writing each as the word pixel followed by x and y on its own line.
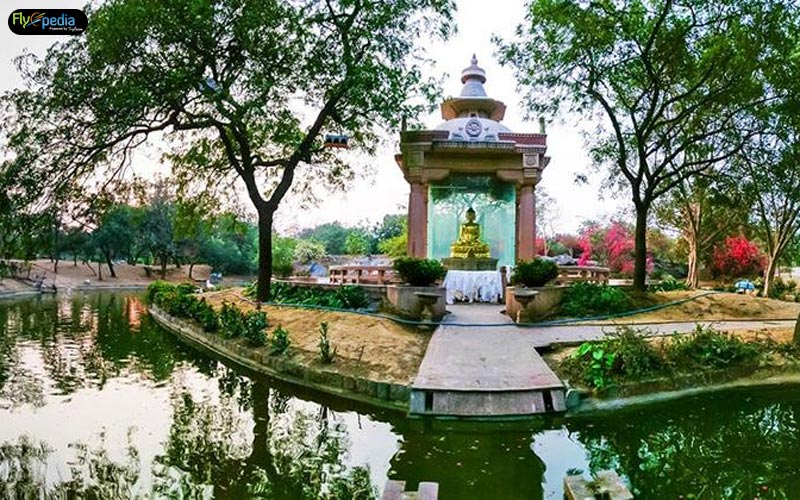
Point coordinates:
pixel 385 191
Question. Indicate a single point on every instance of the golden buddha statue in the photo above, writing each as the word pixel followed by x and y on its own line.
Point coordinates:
pixel 469 244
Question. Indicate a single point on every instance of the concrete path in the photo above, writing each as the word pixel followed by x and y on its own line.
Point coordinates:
pixel 482 359
pixel 495 370
pixel 573 334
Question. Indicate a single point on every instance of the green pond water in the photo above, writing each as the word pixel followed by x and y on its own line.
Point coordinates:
pixel 96 401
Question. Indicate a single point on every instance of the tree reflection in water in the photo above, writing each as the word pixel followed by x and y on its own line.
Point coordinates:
pixel 245 440
pixel 727 445
pixel 297 454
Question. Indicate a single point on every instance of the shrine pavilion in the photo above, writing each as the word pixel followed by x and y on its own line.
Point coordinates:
pixel 472 161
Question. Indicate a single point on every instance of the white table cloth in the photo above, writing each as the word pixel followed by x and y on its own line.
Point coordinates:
pixel 481 286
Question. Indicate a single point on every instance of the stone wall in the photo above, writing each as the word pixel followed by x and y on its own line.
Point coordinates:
pixel 545 303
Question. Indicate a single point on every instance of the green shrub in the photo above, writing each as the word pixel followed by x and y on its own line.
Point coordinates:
pixel 255 323
pixel 419 272
pixel 591 299
pixel 158 286
pixel 534 273
pixel 342 297
pixel 668 284
pixel 203 313
pixel 279 341
pixel 707 348
pixel 180 301
pixel 232 321
pixel 626 354
pixel 326 354
pixel 781 288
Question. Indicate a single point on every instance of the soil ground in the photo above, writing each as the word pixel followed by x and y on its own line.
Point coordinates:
pixel 72 276
pixel 374 348
pixel 716 307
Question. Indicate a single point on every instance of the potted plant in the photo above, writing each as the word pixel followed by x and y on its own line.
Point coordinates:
pixel 527 297
pixel 415 297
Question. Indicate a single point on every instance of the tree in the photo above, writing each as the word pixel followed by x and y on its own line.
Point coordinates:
pixel 114 236
pixel 703 210
pixel 738 257
pixel 158 232
pixel 674 80
pixel 330 234
pixel 357 243
pixel 772 179
pixel 236 89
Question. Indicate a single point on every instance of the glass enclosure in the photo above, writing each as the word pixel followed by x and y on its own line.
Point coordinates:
pixel 494 202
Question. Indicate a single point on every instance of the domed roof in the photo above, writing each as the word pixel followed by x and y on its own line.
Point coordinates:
pixel 473 100
pixel 473 77
pixel 473 129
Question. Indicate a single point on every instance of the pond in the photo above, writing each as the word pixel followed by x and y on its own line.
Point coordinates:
pixel 98 401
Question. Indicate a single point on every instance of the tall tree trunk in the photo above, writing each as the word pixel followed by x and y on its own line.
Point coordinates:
pixel 99 270
pixel 164 260
pixel 769 273
pixel 110 264
pixel 264 254
pixel 692 278
pixel 640 248
pixel 796 338
pixel 191 266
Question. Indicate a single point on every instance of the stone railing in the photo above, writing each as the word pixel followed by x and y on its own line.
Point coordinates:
pixel 572 274
pixel 366 274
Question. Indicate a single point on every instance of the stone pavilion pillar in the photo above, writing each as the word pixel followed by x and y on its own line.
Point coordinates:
pixel 526 223
pixel 418 220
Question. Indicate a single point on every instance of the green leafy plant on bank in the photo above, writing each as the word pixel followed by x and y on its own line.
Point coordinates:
pixel 280 341
pixel 255 324
pixel 232 320
pixel 419 272
pixel 627 356
pixel 534 273
pixel 181 301
pixel 342 297
pixel 583 299
pixel 326 352
pixel 667 284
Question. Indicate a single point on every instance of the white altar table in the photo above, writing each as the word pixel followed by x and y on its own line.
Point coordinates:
pixel 474 286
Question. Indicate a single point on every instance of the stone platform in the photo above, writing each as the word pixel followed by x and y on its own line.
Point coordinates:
pixel 483 372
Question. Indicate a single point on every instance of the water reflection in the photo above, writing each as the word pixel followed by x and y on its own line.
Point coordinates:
pixel 97 401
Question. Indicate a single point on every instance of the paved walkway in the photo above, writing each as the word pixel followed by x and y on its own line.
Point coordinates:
pixel 482 359
pixel 572 334
pixel 502 358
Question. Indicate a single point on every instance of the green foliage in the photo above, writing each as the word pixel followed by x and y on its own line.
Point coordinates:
pixel 331 234
pixel 279 341
pixel 667 284
pixel 180 301
pixel 534 273
pixel 255 323
pixel 357 243
pixel 710 349
pixel 326 353
pixel 306 251
pixel 232 320
pixel 782 289
pixel 283 255
pixel 396 246
pixel 419 272
pixel 626 355
pixel 592 299
pixel 342 297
